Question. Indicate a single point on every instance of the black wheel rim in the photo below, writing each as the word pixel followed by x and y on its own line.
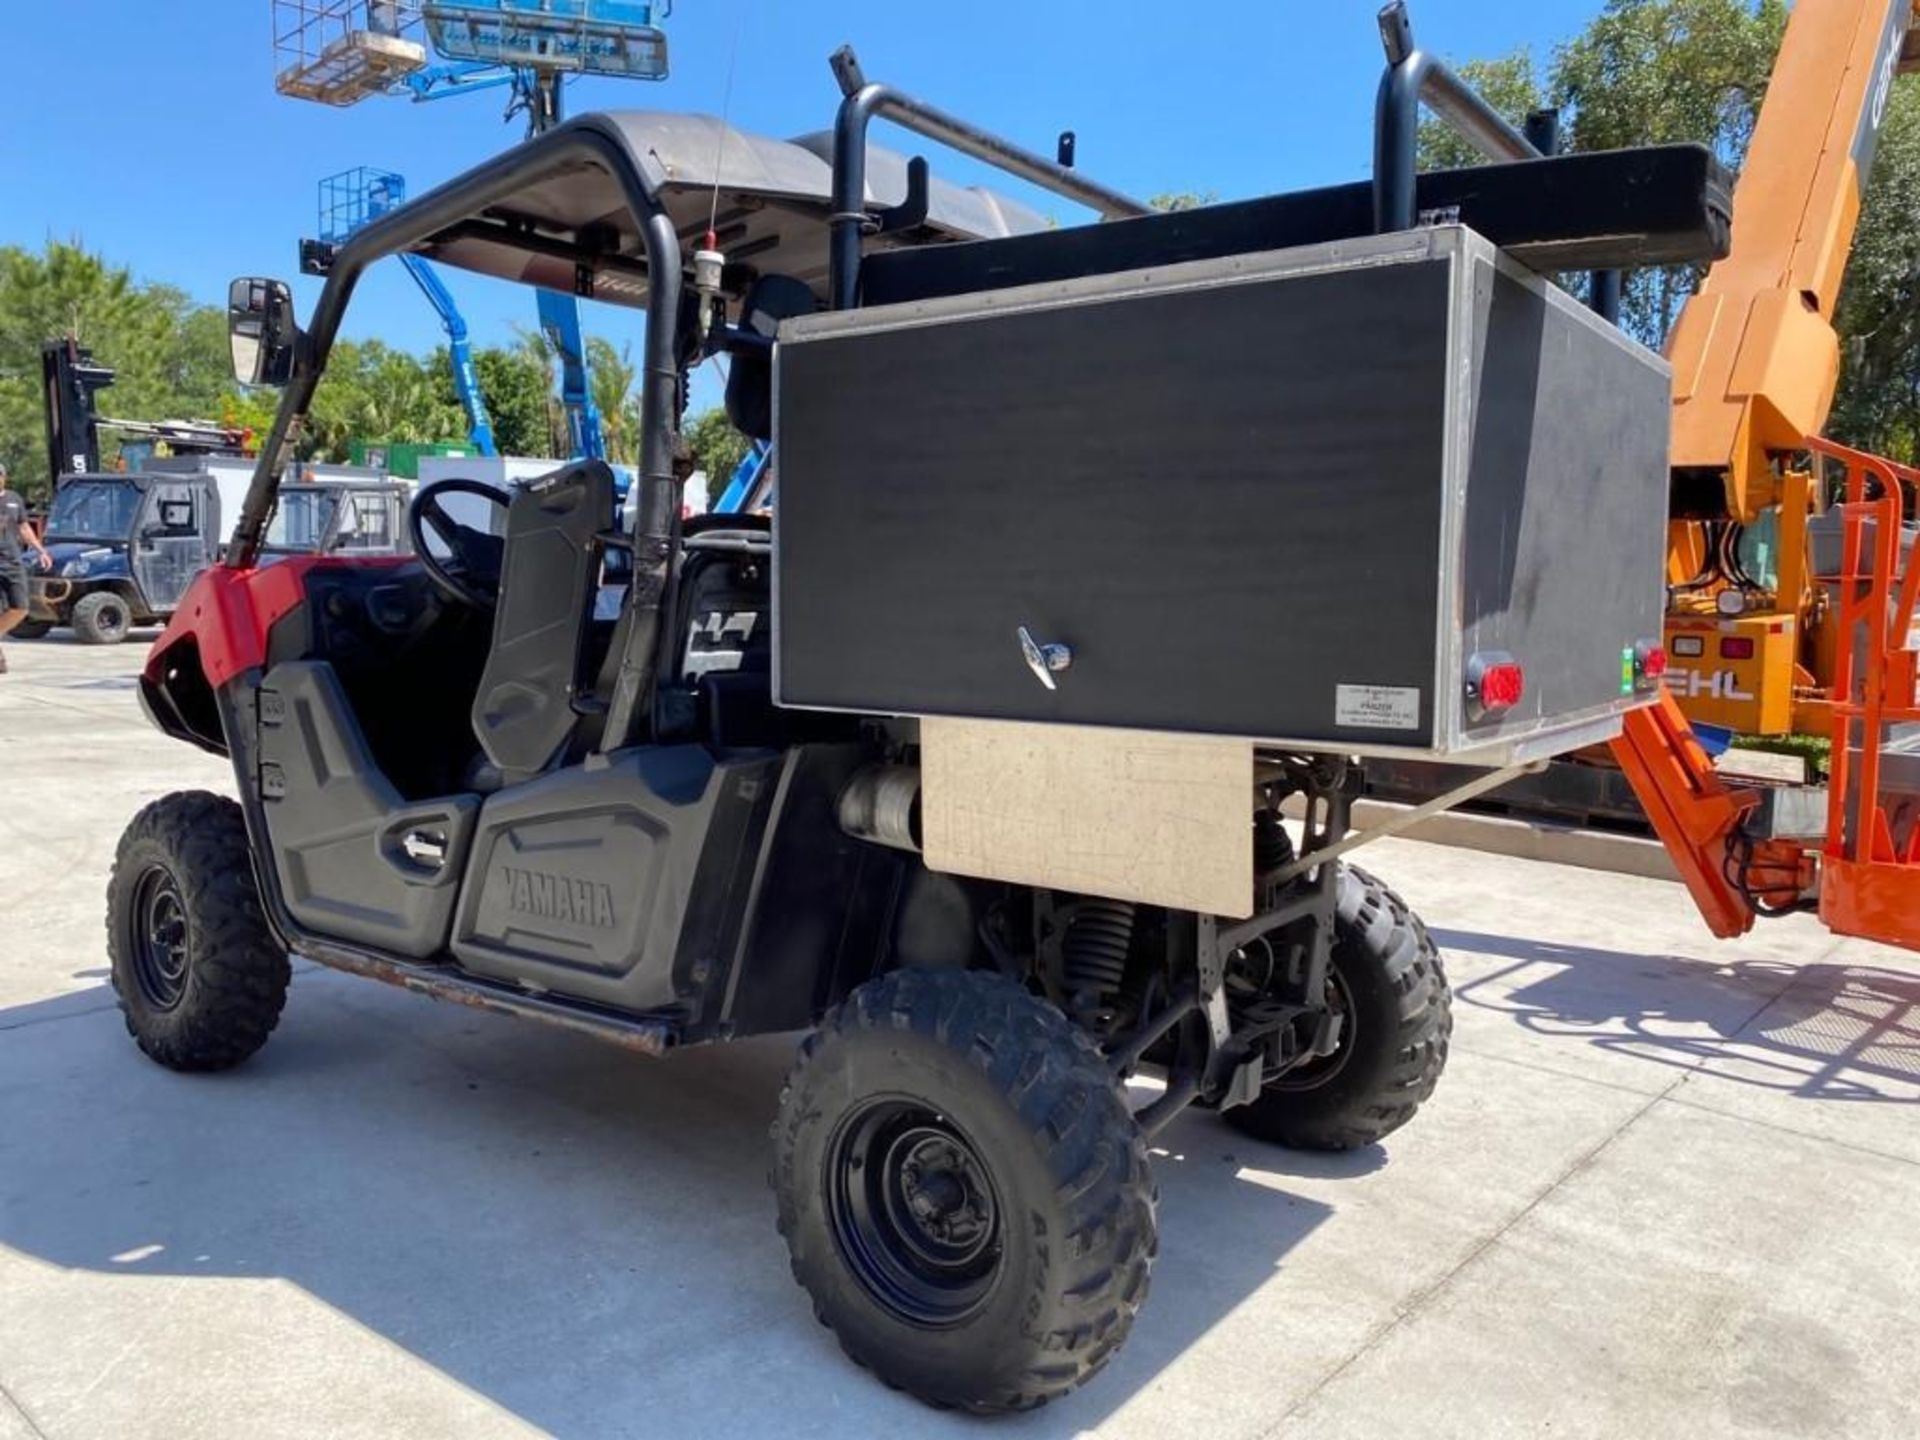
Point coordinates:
pixel 914 1212
pixel 158 941
pixel 1316 1071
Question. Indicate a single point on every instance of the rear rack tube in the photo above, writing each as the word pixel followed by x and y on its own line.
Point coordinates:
pixel 863 102
pixel 1413 77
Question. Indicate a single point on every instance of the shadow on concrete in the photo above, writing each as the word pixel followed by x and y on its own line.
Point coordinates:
pixel 1822 1031
pixel 137 637
pixel 581 1235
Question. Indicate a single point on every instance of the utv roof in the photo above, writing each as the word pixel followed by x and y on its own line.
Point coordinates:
pixel 773 199
pixel 137 478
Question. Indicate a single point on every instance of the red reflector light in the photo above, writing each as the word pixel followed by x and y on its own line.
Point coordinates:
pixel 1736 647
pixel 1501 686
pixel 1649 664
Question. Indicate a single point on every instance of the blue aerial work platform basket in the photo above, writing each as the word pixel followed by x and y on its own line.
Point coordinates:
pixel 595 37
pixel 353 197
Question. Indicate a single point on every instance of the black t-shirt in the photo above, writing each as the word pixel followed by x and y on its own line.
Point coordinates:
pixel 13 514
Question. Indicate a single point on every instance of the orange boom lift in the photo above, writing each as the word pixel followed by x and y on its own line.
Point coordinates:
pixel 1825 642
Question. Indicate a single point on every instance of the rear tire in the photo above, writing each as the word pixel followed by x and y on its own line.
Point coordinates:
pixel 200 978
pixel 962 1190
pixel 1386 975
pixel 101 618
pixel 30 630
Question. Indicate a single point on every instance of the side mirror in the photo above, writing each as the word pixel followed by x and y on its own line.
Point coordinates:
pixel 261 331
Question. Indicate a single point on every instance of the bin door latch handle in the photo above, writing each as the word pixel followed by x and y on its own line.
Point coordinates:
pixel 1043 660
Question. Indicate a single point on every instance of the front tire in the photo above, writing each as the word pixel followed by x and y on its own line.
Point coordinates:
pixel 101 618
pixel 200 978
pixel 963 1191
pixel 1386 978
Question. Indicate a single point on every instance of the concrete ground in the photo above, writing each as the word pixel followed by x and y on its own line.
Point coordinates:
pixel 1665 1189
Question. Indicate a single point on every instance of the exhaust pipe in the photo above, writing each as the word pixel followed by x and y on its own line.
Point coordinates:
pixel 881 805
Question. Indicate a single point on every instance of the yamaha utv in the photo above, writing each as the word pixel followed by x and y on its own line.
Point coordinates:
pixel 1012 757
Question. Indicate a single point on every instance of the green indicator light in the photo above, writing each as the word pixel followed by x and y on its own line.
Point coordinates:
pixel 1626 671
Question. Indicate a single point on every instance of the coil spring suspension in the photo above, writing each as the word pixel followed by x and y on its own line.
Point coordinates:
pixel 1093 952
pixel 1272 846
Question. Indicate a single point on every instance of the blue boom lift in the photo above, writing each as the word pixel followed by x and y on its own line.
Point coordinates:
pixel 744 490
pixel 560 323
pixel 338 52
pixel 350 200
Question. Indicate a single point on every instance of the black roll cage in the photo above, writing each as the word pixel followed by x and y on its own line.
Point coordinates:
pixel 458 208
pixel 461 202
pixel 654 518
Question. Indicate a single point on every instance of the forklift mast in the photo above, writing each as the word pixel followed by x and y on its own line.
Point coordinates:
pixel 69 379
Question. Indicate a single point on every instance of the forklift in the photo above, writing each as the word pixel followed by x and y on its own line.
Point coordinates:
pixel 70 378
pixel 125 544
pixel 970 761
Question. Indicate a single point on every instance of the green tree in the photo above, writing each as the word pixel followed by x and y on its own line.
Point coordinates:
pixel 171 359
pixel 169 354
pixel 1651 72
pixel 1643 72
pixel 717 448
pixel 1182 199
pixel 1654 71
pixel 510 385
pixel 612 375
pixel 373 392
pixel 537 351
pixel 249 409
pixel 1509 83
pixel 1878 317
pixel 515 386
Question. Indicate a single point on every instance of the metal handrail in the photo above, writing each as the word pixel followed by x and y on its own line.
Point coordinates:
pixel 1868 606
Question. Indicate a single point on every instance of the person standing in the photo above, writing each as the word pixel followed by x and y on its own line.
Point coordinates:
pixel 16 535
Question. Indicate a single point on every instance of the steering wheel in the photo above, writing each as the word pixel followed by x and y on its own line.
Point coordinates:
pixel 470 573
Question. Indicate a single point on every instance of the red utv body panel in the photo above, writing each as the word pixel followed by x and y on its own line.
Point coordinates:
pixel 229 613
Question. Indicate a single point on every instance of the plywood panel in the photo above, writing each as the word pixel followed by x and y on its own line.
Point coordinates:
pixel 1162 819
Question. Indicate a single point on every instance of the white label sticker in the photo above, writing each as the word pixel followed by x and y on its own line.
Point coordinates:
pixel 1377 707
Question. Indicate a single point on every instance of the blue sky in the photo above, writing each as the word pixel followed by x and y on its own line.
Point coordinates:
pixel 151 131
